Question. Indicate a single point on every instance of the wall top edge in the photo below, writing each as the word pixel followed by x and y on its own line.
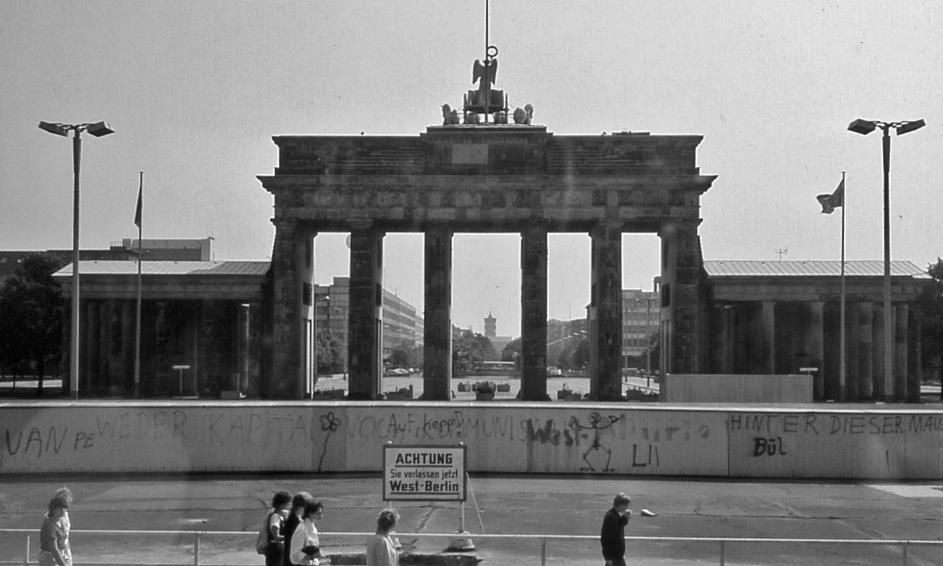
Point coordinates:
pixel 799 408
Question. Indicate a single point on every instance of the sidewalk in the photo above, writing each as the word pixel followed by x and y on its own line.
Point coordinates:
pixel 523 505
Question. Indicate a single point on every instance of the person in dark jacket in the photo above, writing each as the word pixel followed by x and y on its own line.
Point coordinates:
pixel 298 503
pixel 612 534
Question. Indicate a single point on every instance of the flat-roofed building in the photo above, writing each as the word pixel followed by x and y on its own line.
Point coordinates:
pixel 778 317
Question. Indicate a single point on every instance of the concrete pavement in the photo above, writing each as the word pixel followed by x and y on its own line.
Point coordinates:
pixel 530 505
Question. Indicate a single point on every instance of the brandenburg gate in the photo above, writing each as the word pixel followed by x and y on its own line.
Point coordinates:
pixel 479 173
pixel 484 178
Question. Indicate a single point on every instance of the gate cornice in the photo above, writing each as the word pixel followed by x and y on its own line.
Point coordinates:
pixel 488 178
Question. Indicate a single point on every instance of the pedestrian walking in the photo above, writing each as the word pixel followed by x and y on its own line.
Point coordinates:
pixel 65 522
pixel 295 517
pixel 275 521
pixel 381 550
pixel 612 534
pixel 305 544
pixel 53 542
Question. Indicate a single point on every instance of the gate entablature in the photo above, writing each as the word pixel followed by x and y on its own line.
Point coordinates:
pixel 488 178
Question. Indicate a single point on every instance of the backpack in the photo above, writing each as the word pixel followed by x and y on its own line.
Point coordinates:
pixel 261 545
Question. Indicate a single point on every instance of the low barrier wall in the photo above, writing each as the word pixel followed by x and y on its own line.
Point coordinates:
pixel 729 388
pixel 123 437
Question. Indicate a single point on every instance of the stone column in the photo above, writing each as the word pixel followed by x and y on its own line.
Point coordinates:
pixel 903 389
pixel 817 347
pixel 606 380
pixel 437 333
pixel 365 317
pixel 292 290
pixel 88 369
pixel 865 378
pixel 768 314
pixel 722 357
pixel 161 363
pixel 191 384
pixel 126 359
pixel 534 314
pixel 105 376
pixel 244 333
pixel 916 351
pixel 681 275
pixel 852 372
pixel 883 386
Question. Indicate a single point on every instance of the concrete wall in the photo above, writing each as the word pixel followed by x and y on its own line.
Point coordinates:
pixel 724 388
pixel 513 437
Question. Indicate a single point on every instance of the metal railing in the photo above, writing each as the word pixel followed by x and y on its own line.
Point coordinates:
pixel 721 544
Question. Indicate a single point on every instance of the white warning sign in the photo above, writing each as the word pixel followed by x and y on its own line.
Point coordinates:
pixel 424 473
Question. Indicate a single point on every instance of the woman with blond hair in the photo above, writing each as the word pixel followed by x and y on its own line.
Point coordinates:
pixel 53 540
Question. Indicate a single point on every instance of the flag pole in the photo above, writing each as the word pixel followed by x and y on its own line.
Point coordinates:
pixel 137 330
pixel 842 384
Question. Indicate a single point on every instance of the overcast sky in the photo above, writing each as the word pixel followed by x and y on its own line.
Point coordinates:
pixel 196 90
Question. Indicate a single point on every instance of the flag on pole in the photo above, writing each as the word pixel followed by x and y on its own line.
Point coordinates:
pixel 137 211
pixel 832 201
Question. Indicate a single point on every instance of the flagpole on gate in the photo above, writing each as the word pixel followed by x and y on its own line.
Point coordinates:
pixel 842 364
pixel 137 329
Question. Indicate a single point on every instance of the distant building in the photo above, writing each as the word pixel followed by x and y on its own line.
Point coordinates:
pixel 641 312
pixel 201 323
pixel 491 333
pixel 402 324
pixel 153 249
pixel 156 249
pixel 204 318
pixel 778 317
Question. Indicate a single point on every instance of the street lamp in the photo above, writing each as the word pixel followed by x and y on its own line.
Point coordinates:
pixel 865 127
pixel 97 129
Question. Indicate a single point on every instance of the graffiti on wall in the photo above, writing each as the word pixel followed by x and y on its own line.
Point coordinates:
pixel 149 430
pixel 780 434
pixel 591 441
pixel 337 437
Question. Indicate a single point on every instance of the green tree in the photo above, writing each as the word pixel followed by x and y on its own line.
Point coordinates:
pixel 405 356
pixel 330 352
pixel 512 353
pixel 31 312
pixel 468 350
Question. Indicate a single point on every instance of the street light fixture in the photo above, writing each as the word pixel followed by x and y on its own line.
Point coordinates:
pixel 97 129
pixel 865 127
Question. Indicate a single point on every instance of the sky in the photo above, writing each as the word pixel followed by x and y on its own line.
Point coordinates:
pixel 196 90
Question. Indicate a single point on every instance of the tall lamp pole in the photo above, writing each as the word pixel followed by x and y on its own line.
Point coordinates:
pixel 97 129
pixel 865 127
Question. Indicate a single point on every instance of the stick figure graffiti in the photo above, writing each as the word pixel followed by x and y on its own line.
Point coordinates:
pixel 597 423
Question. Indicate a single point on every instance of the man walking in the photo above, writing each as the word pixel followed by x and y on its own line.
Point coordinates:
pixel 612 535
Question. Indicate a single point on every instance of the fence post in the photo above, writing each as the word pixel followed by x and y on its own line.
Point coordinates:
pixel 723 548
pixel 906 546
pixel 26 555
pixel 196 549
pixel 543 551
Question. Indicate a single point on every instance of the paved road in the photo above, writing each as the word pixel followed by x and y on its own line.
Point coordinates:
pixel 517 504
pixel 575 384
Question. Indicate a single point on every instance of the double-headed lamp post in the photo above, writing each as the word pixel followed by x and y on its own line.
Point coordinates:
pixel 865 127
pixel 97 129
